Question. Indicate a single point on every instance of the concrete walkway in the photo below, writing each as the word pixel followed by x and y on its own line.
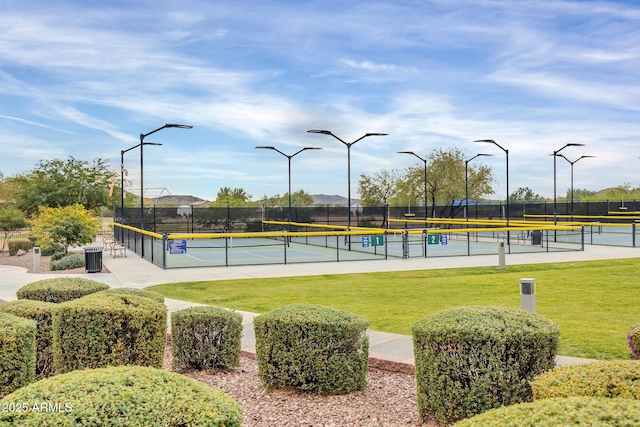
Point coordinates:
pixel 387 351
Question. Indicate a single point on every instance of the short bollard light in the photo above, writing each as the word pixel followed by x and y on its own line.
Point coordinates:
pixel 501 260
pixel 36 259
pixel 528 295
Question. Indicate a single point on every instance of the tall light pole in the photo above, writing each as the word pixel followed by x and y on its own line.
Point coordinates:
pixel 555 154
pixel 348 144
pixel 289 157
pixel 572 163
pixel 506 152
pixel 122 176
pixel 426 209
pixel 466 182
pixel 466 194
pixel 142 144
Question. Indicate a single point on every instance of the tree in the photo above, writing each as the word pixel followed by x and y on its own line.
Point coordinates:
pixel 228 196
pixel 12 219
pixel 66 226
pixel 57 183
pixel 378 188
pixel 298 198
pixel 524 195
pixel 446 180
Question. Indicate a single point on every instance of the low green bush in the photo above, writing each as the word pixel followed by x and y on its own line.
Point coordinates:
pixel 67 262
pixel 60 289
pixel 133 291
pixel 205 337
pixel 16 244
pixel 615 378
pixel 312 348
pixel 132 396
pixel 102 330
pixel 42 313
pixel 57 255
pixel 48 249
pixel 472 359
pixel 572 411
pixel 17 352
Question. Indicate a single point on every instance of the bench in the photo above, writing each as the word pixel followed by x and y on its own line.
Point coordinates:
pixel 117 247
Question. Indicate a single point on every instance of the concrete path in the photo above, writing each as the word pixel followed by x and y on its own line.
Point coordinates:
pixel 387 351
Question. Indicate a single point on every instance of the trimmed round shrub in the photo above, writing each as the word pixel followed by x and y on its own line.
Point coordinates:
pixel 42 313
pixel 133 291
pixel 615 378
pixel 121 396
pixel 102 330
pixel 16 245
pixel 472 359
pixel 60 289
pixel 312 348
pixel 205 337
pixel 17 352
pixel 572 411
pixel 67 262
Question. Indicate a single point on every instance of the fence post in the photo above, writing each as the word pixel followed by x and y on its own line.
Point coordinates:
pixel 164 251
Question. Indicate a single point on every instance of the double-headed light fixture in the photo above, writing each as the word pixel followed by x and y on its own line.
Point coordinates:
pixel 289 157
pixel 348 144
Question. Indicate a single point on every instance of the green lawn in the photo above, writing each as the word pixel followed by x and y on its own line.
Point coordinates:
pixel 595 302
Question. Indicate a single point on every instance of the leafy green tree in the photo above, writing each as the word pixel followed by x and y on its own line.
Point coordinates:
pixel 524 195
pixel 56 183
pixel 446 180
pixel 12 219
pixel 298 198
pixel 583 195
pixel 228 196
pixel 378 188
pixel 66 226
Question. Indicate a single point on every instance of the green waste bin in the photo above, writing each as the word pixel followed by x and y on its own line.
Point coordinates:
pixel 93 259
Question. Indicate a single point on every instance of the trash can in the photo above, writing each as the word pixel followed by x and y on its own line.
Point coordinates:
pixel 536 237
pixel 93 259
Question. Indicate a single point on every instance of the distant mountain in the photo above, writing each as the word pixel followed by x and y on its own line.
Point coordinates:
pixel 334 200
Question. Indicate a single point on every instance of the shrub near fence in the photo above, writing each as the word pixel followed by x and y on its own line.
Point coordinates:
pixel 205 337
pixel 472 359
pixel 133 396
pixel 42 313
pixel 615 378
pixel 312 348
pixel 17 352
pixel 102 330
pixel 60 289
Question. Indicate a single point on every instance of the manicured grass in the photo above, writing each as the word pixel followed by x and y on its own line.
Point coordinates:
pixel 595 302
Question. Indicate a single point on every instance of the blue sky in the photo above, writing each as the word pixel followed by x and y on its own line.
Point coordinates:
pixel 87 78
